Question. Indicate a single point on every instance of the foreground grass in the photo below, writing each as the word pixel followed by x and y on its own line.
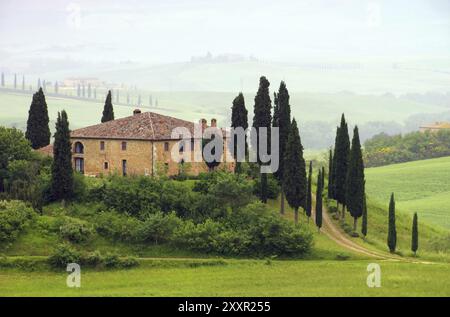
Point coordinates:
pixel 421 186
pixel 239 278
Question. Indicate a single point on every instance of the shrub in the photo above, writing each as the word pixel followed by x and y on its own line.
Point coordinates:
pixel 14 215
pixel 93 258
pixel 158 227
pixel 117 226
pixel 136 196
pixel 111 260
pixel 273 189
pixel 63 255
pixel 197 237
pixel 177 196
pixel 75 230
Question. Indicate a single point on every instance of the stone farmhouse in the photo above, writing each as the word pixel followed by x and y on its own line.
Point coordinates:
pixel 140 144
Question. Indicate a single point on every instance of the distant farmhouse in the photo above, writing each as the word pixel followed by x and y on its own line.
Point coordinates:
pixel 140 144
pixel 434 127
pixel 74 81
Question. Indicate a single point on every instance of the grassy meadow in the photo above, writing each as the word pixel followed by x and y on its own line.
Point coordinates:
pixel 421 186
pixel 237 278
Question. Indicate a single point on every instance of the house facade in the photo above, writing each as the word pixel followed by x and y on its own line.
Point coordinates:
pixel 435 127
pixel 139 145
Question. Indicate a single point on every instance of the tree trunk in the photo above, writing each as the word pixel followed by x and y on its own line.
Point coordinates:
pixel 296 215
pixel 355 223
pixel 282 202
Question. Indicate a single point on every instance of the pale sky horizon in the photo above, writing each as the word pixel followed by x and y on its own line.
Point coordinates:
pixel 173 31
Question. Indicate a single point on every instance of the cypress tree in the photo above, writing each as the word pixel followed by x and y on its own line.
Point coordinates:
pixel 355 180
pixel 323 178
pixel 330 174
pixel 364 218
pixel 282 120
pixel 15 81
pixel 62 172
pixel 309 193
pixel 319 201
pixel 38 131
pixel 415 235
pixel 239 118
pixel 294 182
pixel 262 119
pixel 392 231
pixel 342 151
pixel 108 111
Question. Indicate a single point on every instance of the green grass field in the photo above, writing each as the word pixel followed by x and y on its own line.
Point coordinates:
pixel 238 278
pixel 421 186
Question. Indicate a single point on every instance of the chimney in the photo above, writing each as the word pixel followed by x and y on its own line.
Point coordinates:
pixel 203 124
pixel 213 123
pixel 136 111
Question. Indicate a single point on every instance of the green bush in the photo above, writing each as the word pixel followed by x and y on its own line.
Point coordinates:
pixel 63 255
pixel 14 215
pixel 158 228
pixel 117 226
pixel 75 230
pixel 197 237
pixel 136 196
pixel 273 189
pixel 177 196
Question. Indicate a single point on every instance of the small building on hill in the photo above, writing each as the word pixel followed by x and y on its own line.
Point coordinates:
pixel 434 127
pixel 140 144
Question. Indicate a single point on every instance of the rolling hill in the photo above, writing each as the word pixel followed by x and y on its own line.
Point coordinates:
pixel 420 186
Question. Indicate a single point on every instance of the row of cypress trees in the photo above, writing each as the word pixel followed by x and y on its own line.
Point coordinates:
pixel 392 229
pixel 291 175
pixel 346 182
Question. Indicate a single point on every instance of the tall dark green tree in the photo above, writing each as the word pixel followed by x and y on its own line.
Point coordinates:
pixel 364 218
pixel 108 111
pixel 38 131
pixel 309 192
pixel 262 118
pixel 294 181
pixel 355 180
pixel 282 120
pixel 323 178
pixel 62 172
pixel 392 231
pixel 319 201
pixel 415 235
pixel 330 174
pixel 342 151
pixel 239 118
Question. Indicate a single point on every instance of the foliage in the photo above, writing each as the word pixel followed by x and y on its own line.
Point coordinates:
pixel 415 235
pixel 62 186
pixel 13 146
pixel 38 131
pixel 308 208
pixel 75 230
pixel 157 227
pixel 294 181
pixel 319 200
pixel 355 180
pixel 340 161
pixel 273 188
pixel 239 118
pixel 14 215
pixel 108 111
pixel 392 231
pixel 63 254
pixel 116 226
pixel 383 149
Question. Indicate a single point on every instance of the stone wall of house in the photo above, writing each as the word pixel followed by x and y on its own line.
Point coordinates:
pixel 152 158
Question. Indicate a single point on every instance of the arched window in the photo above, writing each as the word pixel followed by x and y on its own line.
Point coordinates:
pixel 79 148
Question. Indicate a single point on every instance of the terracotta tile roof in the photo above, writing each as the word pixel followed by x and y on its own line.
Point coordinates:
pixel 46 150
pixel 141 126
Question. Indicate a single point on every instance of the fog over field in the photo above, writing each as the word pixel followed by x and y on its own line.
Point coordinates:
pixel 353 56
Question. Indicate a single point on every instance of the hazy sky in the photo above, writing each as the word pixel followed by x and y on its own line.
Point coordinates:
pixel 169 31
